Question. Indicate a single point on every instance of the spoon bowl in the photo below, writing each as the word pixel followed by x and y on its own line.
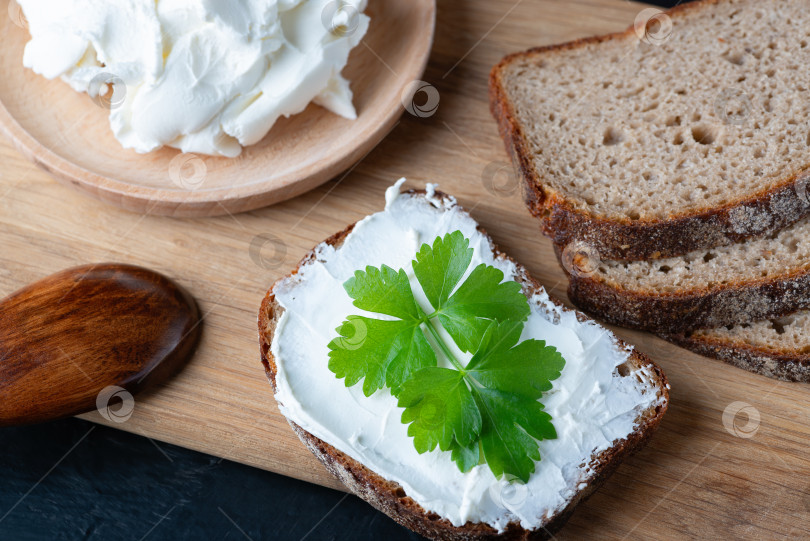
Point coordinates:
pixel 68 337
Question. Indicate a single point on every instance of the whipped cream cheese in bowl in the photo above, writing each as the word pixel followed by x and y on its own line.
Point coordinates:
pixel 203 80
pixel 206 77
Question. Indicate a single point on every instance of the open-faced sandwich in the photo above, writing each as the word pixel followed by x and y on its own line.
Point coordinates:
pixel 438 380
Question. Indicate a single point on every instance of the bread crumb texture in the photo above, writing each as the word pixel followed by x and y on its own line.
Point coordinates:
pixel 778 256
pixel 785 335
pixel 700 111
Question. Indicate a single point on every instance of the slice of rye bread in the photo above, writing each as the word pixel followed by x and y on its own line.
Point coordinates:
pixel 777 348
pixel 740 283
pixel 390 498
pixel 693 136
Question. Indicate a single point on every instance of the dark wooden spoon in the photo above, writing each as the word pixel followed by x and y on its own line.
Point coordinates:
pixel 71 335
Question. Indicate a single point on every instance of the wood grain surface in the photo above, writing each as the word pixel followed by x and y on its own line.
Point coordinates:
pixel 68 133
pixel 87 337
pixel 695 479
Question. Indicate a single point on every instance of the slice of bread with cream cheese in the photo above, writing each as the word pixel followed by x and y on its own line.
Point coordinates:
pixel 606 403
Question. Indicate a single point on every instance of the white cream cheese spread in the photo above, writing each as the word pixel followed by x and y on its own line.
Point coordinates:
pixel 591 405
pixel 204 76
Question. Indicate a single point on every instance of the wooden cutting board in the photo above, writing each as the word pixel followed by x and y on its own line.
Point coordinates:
pixel 695 479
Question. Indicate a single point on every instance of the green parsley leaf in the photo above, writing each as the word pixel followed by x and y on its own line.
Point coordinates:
pixel 526 369
pixel 466 457
pixel 481 298
pixel 385 353
pixel 383 291
pixel 487 412
pixel 413 354
pixel 439 268
pixel 440 409
pixel 511 426
pixel 512 379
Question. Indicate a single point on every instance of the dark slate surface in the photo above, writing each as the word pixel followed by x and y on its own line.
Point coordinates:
pixel 72 480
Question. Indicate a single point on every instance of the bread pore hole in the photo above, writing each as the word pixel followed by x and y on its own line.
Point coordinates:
pixel 736 58
pixel 704 134
pixel 778 326
pixel 613 136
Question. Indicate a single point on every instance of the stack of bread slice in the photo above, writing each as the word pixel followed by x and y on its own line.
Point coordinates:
pixel 670 166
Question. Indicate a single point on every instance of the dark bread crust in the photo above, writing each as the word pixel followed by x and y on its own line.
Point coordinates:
pixel 788 365
pixel 391 499
pixel 681 312
pixel 622 238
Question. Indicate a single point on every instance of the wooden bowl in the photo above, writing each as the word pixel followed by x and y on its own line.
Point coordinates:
pixel 68 134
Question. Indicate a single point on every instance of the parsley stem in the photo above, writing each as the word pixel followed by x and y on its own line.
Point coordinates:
pixel 443 346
